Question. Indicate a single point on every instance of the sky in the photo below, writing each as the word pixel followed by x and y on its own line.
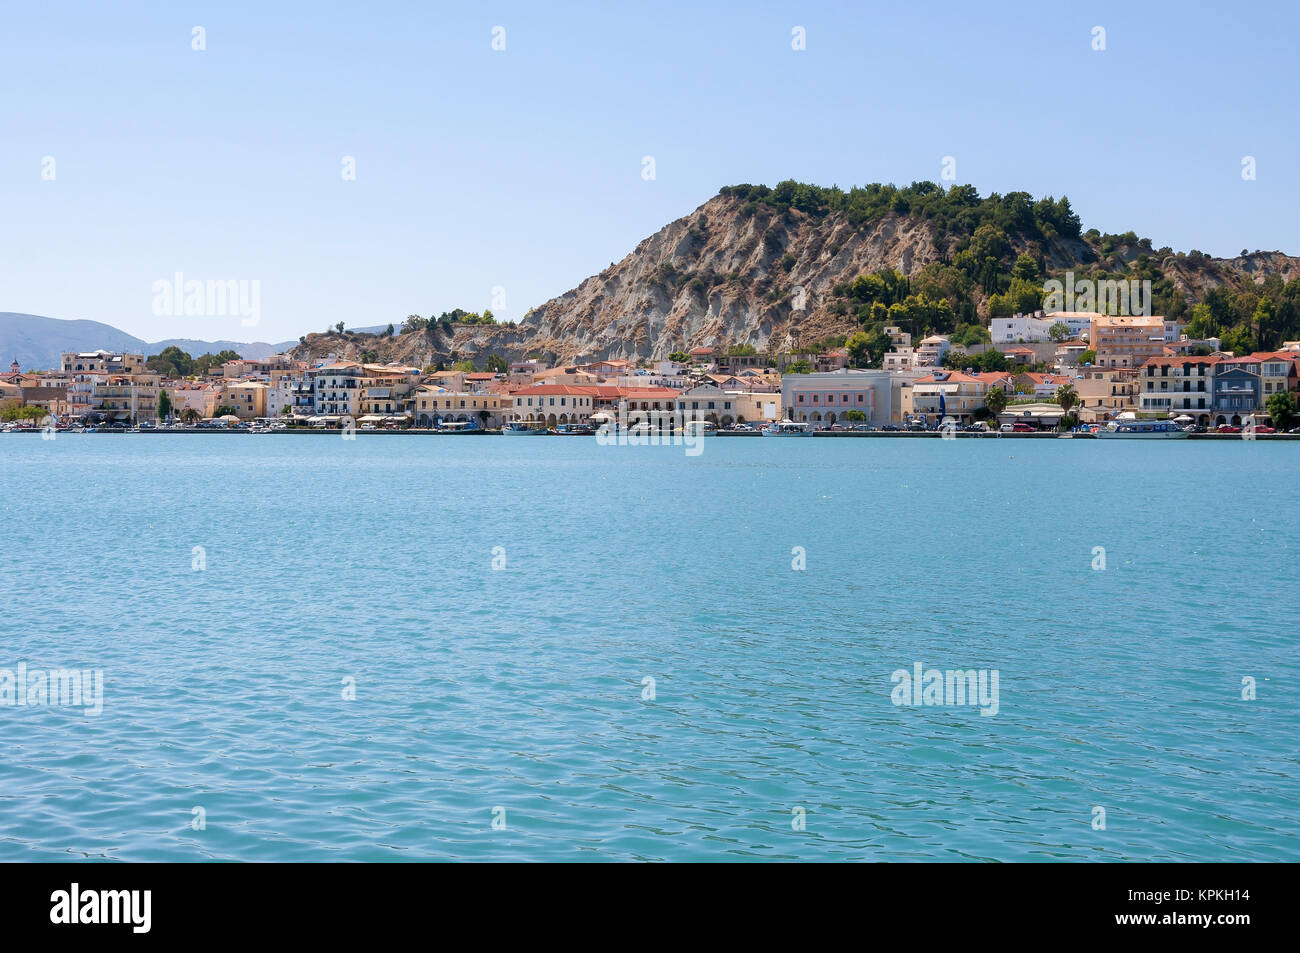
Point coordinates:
pixel 498 178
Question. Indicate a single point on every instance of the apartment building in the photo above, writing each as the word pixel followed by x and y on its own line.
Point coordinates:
pixel 1175 386
pixel 1126 340
pixel 338 389
pixel 247 398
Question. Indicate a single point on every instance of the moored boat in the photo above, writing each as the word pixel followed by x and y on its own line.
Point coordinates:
pixel 787 428
pixel 523 428
pixel 1142 430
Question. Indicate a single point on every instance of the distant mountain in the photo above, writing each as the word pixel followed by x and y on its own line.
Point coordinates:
pixel 37 342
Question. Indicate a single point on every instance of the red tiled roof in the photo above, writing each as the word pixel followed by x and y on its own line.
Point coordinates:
pixel 556 390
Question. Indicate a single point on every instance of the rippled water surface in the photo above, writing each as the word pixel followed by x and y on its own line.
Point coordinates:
pixel 517 693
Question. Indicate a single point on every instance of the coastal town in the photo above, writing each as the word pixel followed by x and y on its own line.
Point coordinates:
pixel 1073 371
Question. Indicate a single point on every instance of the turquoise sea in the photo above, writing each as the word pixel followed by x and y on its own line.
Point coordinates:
pixel 234 588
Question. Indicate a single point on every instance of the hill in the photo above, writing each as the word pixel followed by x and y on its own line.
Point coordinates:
pixel 799 266
pixel 36 342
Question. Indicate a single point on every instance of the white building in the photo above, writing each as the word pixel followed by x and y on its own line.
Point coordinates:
pixel 1021 328
pixel 933 350
pixel 338 389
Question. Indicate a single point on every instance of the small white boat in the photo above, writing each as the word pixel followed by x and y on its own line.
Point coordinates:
pixel 787 428
pixel 521 428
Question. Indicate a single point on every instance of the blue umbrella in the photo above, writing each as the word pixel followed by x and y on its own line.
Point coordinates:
pixel 943 406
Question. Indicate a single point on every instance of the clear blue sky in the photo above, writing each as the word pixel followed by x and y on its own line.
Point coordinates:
pixel 522 168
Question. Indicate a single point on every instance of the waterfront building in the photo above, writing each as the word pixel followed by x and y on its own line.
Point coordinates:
pixel 755 407
pixel 1278 372
pixel 202 398
pixel 433 405
pixel 962 396
pixel 821 399
pixel 1105 392
pixel 338 389
pixel 705 402
pixel 1238 389
pixel 246 397
pixel 388 390
pixel 554 404
pixel 1174 386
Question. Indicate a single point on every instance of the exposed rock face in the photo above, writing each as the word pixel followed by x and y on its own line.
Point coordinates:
pixel 719 276
pixel 727 275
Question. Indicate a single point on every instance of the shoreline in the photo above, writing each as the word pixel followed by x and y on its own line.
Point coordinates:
pixel 902 434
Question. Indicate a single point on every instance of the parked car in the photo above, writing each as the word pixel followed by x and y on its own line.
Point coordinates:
pixel 892 428
pixel 1261 428
pixel 1229 428
pixel 1019 427
pixel 864 428
pixel 1006 428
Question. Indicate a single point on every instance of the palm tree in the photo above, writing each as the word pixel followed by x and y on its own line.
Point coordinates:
pixel 1067 397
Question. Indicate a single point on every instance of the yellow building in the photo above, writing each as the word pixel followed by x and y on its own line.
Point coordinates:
pixel 435 404
pixel 248 398
pixel 963 394
pixel 754 408
pixel 1105 393
pixel 387 391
